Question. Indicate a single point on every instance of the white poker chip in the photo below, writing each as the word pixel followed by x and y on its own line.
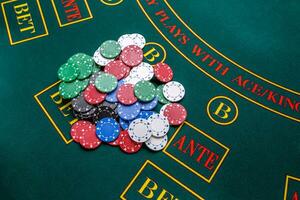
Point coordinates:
pixel 99 59
pixel 132 79
pixel 159 125
pixel 132 39
pixel 173 91
pixel 143 71
pixel 125 40
pixel 157 144
pixel 139 130
pixel 138 39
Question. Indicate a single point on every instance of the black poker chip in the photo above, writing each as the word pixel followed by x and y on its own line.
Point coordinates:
pixel 105 111
pixel 111 105
pixel 86 115
pixel 80 105
pixel 91 113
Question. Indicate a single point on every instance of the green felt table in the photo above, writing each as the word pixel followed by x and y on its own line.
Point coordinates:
pixel 238 61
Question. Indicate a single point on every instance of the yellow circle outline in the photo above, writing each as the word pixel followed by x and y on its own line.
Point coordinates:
pixel 163 49
pixel 252 100
pixel 222 123
pixel 111 4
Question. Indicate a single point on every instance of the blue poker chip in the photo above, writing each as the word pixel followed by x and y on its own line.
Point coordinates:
pixel 141 115
pixel 129 112
pixel 145 114
pixel 124 123
pixel 112 96
pixel 107 129
pixel 149 105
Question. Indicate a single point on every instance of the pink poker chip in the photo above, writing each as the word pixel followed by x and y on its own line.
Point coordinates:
pixel 117 68
pixel 125 94
pixel 132 55
pixel 93 96
pixel 175 113
pixel 163 72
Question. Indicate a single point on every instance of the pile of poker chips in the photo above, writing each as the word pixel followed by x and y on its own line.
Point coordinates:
pixel 114 95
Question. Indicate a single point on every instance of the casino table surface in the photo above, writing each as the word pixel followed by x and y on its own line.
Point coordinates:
pixel 239 63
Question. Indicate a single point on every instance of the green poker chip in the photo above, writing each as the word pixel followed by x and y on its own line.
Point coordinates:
pixel 95 68
pixel 83 84
pixel 106 82
pixel 68 72
pixel 160 95
pixel 85 66
pixel 145 91
pixel 69 90
pixel 110 49
pixel 78 56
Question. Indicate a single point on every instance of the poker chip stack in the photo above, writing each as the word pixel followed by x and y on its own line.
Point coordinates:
pixel 114 95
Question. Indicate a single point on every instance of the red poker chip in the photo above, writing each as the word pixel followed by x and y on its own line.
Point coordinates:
pixel 117 141
pixel 163 72
pixel 175 113
pixel 89 140
pixel 127 72
pixel 128 145
pixel 78 129
pixel 125 94
pixel 117 68
pixel 132 55
pixel 93 96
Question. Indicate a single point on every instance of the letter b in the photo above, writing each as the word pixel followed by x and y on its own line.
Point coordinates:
pixel 222 110
pixel 147 188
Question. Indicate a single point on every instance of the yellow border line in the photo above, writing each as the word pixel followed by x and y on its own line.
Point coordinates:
pixel 233 62
pixel 28 39
pixel 47 114
pixel 209 75
pixel 111 4
pixel 222 123
pixel 164 173
pixel 287 183
pixel 74 22
pixel 209 179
